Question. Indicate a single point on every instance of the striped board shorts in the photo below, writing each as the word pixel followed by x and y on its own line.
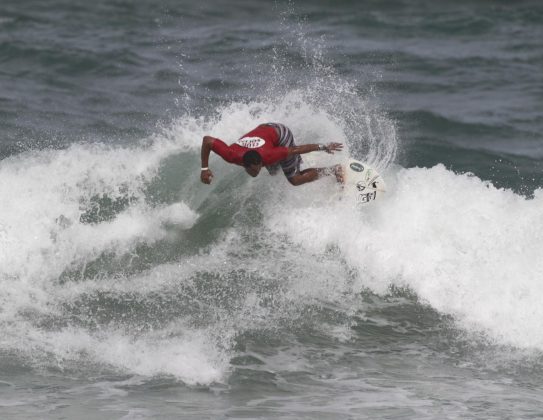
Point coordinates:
pixel 291 165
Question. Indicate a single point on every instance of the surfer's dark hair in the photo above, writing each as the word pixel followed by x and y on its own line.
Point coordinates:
pixel 252 157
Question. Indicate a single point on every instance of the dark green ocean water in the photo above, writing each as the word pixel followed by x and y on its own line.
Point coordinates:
pixel 128 289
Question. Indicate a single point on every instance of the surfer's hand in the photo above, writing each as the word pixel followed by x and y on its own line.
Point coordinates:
pixel 333 147
pixel 206 176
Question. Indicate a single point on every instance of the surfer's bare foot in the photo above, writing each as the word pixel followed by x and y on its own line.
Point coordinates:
pixel 338 172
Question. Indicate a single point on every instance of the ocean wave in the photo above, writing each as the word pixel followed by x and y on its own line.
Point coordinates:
pixel 453 240
pixel 82 226
pixel 464 247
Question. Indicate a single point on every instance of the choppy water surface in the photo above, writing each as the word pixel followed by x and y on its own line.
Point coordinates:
pixel 128 289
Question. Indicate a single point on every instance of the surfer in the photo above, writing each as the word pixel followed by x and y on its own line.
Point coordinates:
pixel 270 145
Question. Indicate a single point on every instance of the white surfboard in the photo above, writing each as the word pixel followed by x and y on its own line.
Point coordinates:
pixel 363 184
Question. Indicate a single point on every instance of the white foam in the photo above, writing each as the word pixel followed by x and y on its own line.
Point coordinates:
pixel 465 247
pixel 175 350
pixel 44 195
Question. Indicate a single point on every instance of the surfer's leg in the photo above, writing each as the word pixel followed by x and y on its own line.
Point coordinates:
pixel 305 176
pixel 312 174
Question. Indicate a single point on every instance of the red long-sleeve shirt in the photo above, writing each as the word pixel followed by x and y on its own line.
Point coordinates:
pixel 263 139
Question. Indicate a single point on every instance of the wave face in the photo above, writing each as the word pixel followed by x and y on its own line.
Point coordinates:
pixel 106 261
pixel 118 257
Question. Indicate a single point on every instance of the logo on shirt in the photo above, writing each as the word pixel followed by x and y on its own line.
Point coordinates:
pixel 251 142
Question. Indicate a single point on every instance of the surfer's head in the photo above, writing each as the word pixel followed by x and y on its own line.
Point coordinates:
pixel 252 162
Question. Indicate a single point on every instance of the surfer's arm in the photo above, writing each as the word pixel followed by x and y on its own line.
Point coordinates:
pixel 307 148
pixel 218 146
pixel 205 173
